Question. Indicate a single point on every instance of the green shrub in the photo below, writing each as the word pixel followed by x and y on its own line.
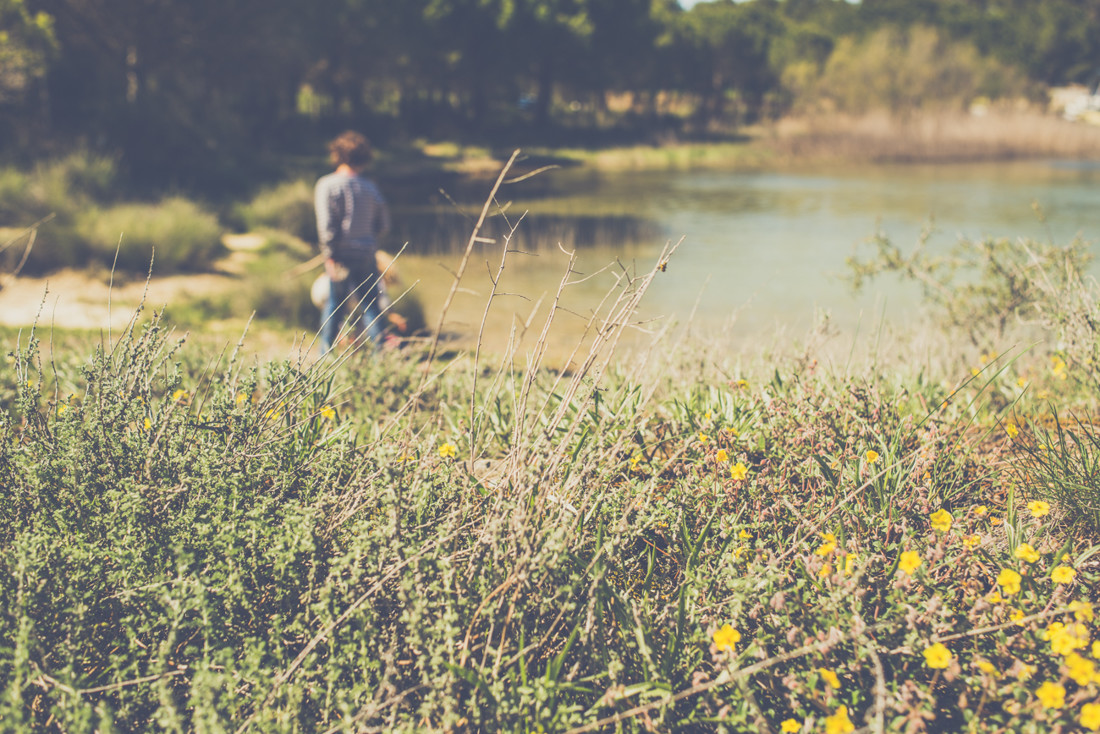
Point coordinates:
pixel 287 207
pixel 265 291
pixel 903 71
pixel 184 236
pixel 66 191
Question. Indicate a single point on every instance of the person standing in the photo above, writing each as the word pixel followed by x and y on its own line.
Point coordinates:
pixel 351 217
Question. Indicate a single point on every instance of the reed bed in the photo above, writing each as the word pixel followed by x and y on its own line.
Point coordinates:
pixel 936 137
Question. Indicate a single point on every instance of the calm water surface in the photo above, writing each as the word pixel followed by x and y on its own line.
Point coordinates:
pixel 760 252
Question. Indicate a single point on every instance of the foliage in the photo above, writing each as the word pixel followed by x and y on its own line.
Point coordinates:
pixel 174 234
pixel 673 541
pixel 265 293
pixel 27 44
pixel 909 70
pixel 206 94
pixel 987 287
pixel 58 192
pixel 1062 464
pixel 287 207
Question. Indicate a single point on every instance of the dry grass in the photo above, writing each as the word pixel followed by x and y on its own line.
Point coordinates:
pixel 935 137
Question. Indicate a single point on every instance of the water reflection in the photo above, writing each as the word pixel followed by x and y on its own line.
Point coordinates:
pixel 761 250
pixel 447 232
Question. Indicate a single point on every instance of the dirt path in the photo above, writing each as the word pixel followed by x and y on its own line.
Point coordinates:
pixel 79 299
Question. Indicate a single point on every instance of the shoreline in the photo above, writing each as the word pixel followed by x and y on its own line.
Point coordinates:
pixel 809 141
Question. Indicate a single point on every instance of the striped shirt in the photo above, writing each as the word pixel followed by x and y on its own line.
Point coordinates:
pixel 351 216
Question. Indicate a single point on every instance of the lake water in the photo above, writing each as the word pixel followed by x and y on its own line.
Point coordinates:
pixel 760 252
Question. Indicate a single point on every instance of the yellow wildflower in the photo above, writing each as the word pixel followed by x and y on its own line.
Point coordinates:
pixel 1038 508
pixel 703 438
pixel 825 571
pixel 1011 430
pixel 1065 638
pixel 830 677
pixel 328 413
pixel 725 637
pixel 995 521
pixel 987 667
pixel 827 546
pixel 1082 610
pixel 839 723
pixel 941 520
pixel 1081 670
pixel 1009 581
pixel 634 461
pixel 179 396
pixel 790 726
pixel 448 451
pixel 741 384
pixel 241 397
pixel 148 424
pixel 937 656
pixel 850 562
pixel 744 534
pixel 739 471
pixel 722 456
pixel 1052 695
pixel 994 597
pixel 1063 574
pixel 980 510
pixel 1021 382
pixel 1025 671
pixel 1058 367
pixel 1096 650
pixel 872 456
pixel 910 561
pixel 1090 716
pixel 970 542
pixel 1026 553
pixel 1016 615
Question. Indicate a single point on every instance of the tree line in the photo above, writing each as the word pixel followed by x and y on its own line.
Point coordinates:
pixel 200 87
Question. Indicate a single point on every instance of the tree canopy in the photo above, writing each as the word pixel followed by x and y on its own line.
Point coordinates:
pixel 200 87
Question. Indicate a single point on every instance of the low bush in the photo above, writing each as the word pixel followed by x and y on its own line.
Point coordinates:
pixel 287 207
pixel 183 236
pixel 57 193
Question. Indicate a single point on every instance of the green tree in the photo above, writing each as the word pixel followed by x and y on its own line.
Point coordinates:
pixel 903 71
pixel 181 88
pixel 730 54
pixel 26 45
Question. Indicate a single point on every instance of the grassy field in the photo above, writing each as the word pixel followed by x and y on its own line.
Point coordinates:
pixel 674 539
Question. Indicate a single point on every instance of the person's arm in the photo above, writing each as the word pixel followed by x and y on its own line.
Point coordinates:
pixel 327 204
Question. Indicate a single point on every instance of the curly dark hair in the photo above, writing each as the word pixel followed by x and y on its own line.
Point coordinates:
pixel 351 148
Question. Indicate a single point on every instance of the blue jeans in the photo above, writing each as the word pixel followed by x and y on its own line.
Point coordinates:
pixel 353 299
